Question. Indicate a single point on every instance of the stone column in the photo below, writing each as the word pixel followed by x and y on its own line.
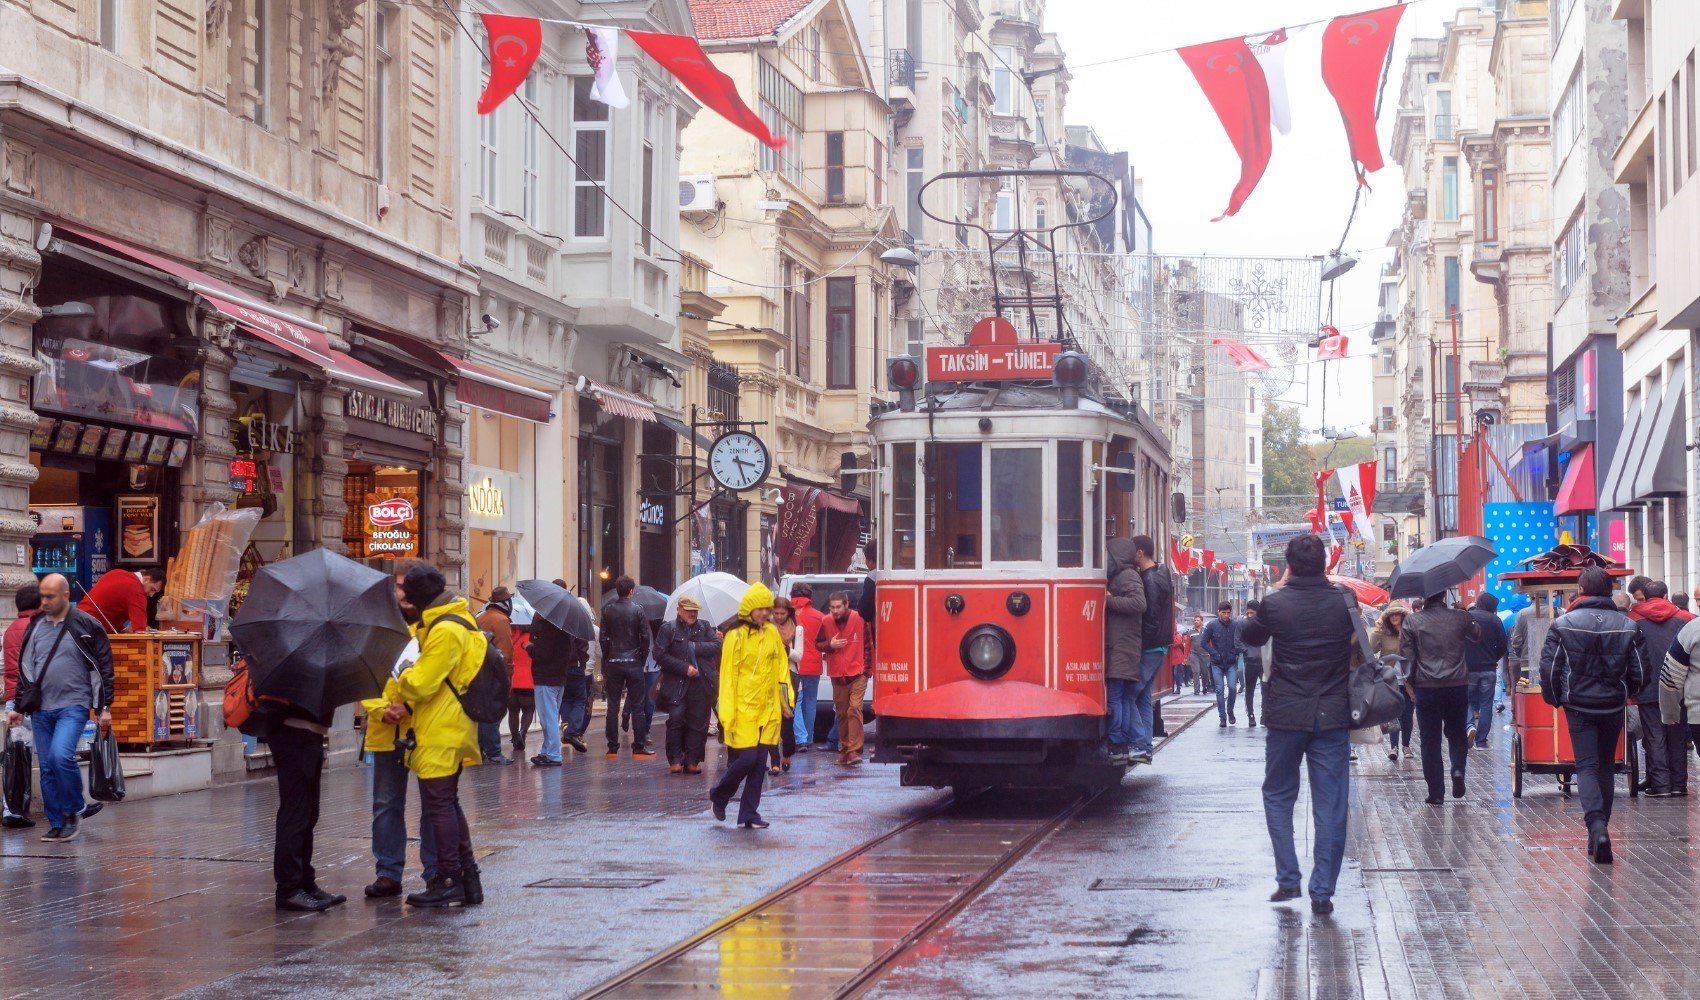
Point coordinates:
pixel 448 496
pixel 20 266
pixel 326 437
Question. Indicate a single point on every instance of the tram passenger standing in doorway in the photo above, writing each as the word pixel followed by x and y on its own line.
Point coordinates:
pixel 1123 642
pixel 1251 658
pixel 1157 632
pixel 1221 643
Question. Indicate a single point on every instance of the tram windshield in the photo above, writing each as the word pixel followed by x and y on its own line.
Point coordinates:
pixel 984 504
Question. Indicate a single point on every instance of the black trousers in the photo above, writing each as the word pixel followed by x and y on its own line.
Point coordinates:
pixel 1594 738
pixel 749 767
pixel 687 724
pixel 439 807
pixel 299 757
pixel 522 704
pixel 1442 709
pixel 1250 677
pixel 628 688
pixel 1667 751
pixel 1407 724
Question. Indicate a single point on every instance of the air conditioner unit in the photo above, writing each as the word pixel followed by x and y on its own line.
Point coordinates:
pixel 696 194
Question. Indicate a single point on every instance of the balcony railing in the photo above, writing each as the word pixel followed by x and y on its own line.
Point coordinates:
pixel 1445 127
pixel 902 68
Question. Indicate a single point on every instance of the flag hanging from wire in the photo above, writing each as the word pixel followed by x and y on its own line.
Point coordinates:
pixel 681 56
pixel 1244 357
pixel 1332 345
pixel 602 50
pixel 515 44
pixel 1356 51
pixel 1233 82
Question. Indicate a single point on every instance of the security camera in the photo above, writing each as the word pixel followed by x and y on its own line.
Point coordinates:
pixel 490 322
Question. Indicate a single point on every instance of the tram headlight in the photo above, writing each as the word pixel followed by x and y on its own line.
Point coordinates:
pixel 903 376
pixel 988 652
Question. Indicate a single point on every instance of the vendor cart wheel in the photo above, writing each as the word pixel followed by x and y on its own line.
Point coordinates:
pixel 1633 763
pixel 1564 783
pixel 1516 766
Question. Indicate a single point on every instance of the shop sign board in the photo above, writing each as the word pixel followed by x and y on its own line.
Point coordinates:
pixel 495 500
pixel 138 530
pixel 392 522
pixel 991 362
pixel 395 413
pixel 652 515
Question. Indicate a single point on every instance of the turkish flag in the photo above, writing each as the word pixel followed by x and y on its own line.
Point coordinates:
pixel 1233 81
pixel 1332 346
pixel 515 43
pixel 1357 485
pixel 1356 51
pixel 1177 560
pixel 1241 354
pixel 1209 558
pixel 681 56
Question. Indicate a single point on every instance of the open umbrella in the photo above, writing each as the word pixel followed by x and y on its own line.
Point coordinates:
pixel 653 602
pixel 559 607
pixel 1445 564
pixel 320 630
pixel 717 593
pixel 1367 593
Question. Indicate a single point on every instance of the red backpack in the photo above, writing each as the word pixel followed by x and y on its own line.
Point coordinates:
pixel 243 709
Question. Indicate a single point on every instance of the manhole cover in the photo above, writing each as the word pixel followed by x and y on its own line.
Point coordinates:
pixel 891 878
pixel 593 883
pixel 1159 884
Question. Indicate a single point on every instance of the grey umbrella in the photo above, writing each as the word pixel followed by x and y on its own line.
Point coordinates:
pixel 1445 564
pixel 559 607
pixel 320 630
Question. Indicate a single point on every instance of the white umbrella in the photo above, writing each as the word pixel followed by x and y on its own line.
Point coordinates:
pixel 718 593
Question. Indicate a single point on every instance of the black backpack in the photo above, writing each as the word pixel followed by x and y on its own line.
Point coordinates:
pixel 486 697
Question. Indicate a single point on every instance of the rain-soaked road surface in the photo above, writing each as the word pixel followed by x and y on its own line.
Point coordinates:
pixel 1484 897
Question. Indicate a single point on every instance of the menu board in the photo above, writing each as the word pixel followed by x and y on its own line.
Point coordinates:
pixel 137 448
pixel 66 439
pixel 114 448
pixel 138 530
pixel 177 664
pixel 42 436
pixel 89 446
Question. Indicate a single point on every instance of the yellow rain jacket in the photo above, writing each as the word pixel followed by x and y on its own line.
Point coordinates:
pixel 755 677
pixel 448 653
pixel 380 735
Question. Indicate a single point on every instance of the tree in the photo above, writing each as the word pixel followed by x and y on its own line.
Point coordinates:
pixel 1287 458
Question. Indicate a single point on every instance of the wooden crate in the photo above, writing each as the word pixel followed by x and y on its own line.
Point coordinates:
pixel 139 675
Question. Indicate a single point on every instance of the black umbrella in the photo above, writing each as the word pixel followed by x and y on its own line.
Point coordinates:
pixel 320 630
pixel 653 602
pixel 1436 568
pixel 559 607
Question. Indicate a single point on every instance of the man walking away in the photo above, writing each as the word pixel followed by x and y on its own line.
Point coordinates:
pixel 1157 632
pixel 1594 657
pixel 1482 657
pixel 28 602
pixel 625 649
pixel 809 669
pixel 1123 642
pixel 390 774
pixel 1517 664
pixel 1432 644
pixel 1308 625
pixel 1660 622
pixel 843 646
pixel 497 619
pixel 1252 659
pixel 555 657
pixel 755 684
pixel 1221 643
pixel 688 650
pixel 64 674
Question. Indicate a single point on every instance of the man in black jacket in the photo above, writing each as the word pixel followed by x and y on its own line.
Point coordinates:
pixel 1433 643
pixel 1483 657
pixel 1221 640
pixel 557 659
pixel 1594 658
pixel 1660 621
pixel 64 675
pixel 1309 623
pixel 1252 671
pixel 1157 631
pixel 688 652
pixel 625 648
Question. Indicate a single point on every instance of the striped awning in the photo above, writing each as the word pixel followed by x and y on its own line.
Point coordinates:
pixel 621 403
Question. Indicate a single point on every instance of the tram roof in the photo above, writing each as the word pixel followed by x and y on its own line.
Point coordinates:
pixel 963 399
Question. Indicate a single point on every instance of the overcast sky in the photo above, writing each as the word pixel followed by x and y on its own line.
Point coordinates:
pixel 1152 108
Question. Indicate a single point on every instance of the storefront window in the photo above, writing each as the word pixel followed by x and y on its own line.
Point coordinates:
pixel 499 457
pixel 385 519
pixel 658 467
pixel 601 494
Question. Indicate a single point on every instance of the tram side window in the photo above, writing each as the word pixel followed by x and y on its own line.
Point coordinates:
pixel 903 506
pixel 1119 520
pixel 953 506
pixel 1071 520
pixel 1018 504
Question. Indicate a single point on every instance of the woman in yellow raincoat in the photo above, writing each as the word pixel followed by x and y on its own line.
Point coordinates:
pixel 755 688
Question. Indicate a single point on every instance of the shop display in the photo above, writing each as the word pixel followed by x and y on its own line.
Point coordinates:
pixel 145 710
pixel 113 450
pixel 66 439
pixel 72 540
pixel 251 563
pixel 138 447
pixel 138 525
pixel 157 449
pixel 42 436
pixel 179 451
pixel 108 382
pixel 206 568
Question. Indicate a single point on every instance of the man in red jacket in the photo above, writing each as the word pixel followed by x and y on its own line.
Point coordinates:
pixel 809 668
pixel 842 643
pixel 119 599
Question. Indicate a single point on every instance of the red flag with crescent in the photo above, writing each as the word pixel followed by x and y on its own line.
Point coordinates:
pixel 681 56
pixel 515 44
pixel 1243 355
pixel 1331 346
pixel 1233 81
pixel 1356 51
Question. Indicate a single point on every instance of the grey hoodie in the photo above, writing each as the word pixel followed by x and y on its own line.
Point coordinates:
pixel 1124 622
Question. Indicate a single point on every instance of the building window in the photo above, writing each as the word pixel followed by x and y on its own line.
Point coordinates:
pixel 1688 123
pixel 1490 205
pixel 1444 126
pixel 1450 391
pixel 1251 451
pixel 782 112
pixel 487 161
pixel 530 182
pixel 835 168
pixel 1003 79
pixel 814 53
pixel 1003 216
pixel 879 172
pixel 646 199
pixel 1567 118
pixel 1040 216
pixel 723 392
pixel 1661 162
pixel 913 30
pixel 108 22
pixel 381 97
pixel 1676 172
pixel 262 56
pixel 590 140
pixel 1567 262
pixel 1251 495
pixel 841 333
pixel 1449 188
pixel 1450 266
pixel 914 338
pixel 798 328
pixel 915 176
pixel 1389 465
pixel 1387 357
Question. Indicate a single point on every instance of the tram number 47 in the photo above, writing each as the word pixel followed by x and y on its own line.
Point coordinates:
pixel 1089 611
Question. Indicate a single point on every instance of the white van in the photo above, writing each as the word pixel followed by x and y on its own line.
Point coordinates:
pixel 825 585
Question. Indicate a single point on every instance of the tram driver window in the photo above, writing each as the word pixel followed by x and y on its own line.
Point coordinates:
pixel 953 506
pixel 1018 502
pixel 902 546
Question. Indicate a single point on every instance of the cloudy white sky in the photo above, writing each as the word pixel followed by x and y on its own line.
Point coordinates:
pixel 1152 108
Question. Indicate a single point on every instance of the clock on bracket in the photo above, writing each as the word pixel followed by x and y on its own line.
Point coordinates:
pixel 739 461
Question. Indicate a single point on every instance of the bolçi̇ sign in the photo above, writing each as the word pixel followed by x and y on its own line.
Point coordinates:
pixel 389 527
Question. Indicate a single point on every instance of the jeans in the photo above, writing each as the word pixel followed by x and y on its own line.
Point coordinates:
pixel 299 757
pixel 1442 709
pixel 56 734
pixel 630 689
pixel 1119 695
pixel 1480 714
pixel 1594 737
pixel 1667 751
pixel 490 741
pixel 1326 754
pixel 1140 723
pixel 575 705
pixel 439 801
pixel 808 697
pixel 1251 675
pixel 1226 680
pixel 549 717
pixel 389 819
pixel 749 766
pixel 1401 737
pixel 847 695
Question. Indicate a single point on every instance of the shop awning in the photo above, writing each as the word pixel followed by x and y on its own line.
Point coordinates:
pixel 1576 495
pixel 621 403
pixel 479 386
pixel 300 338
pixel 1664 463
pixel 1625 461
pixel 683 429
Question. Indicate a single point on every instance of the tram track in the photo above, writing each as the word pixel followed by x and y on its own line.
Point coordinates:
pixel 837 930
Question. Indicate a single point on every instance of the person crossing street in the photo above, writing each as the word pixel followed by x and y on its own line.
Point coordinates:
pixel 755 685
pixel 688 651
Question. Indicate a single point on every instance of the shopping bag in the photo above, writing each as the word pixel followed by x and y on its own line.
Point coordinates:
pixel 16 763
pixel 106 773
pixel 1375 693
pixel 1368 736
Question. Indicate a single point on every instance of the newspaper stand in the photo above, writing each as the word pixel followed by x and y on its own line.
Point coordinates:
pixel 1540 741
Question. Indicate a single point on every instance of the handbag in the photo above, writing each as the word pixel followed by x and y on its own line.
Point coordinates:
pixel 16 762
pixel 1375 693
pixel 106 774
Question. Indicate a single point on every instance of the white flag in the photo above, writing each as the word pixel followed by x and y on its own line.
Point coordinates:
pixel 1357 485
pixel 1271 53
pixel 602 49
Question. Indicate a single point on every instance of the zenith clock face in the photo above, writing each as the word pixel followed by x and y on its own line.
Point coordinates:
pixel 738 460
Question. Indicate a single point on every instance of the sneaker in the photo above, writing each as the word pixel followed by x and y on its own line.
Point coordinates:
pixel 577 744
pixel 643 752
pixel 53 836
pixel 1139 758
pixel 542 761
pixel 70 830
pixel 303 902
pixel 1470 734
pixel 612 754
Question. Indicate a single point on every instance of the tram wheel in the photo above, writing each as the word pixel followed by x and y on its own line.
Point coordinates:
pixel 1516 766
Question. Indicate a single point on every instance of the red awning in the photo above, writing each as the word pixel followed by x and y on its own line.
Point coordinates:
pixel 1576 494
pixel 479 386
pixel 300 338
pixel 622 404
pixel 842 504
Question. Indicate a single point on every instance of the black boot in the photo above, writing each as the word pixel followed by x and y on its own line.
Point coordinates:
pixel 1599 844
pixel 473 887
pixel 440 892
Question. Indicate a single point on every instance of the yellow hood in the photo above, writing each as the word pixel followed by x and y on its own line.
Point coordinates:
pixel 758 596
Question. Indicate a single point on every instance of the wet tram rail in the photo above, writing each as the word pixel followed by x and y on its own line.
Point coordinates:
pixel 837 930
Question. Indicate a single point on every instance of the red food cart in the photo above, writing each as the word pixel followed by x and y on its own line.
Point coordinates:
pixel 1540 742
